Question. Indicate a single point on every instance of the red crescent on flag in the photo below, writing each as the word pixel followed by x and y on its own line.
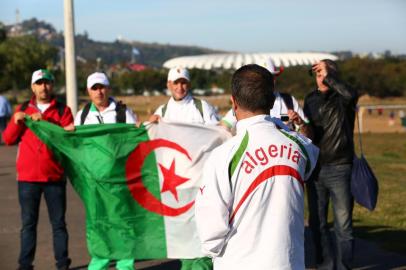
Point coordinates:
pixel 137 188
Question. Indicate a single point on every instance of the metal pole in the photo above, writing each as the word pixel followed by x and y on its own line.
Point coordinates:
pixel 70 57
pixel 361 120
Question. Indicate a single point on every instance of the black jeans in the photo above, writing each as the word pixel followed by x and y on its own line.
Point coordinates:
pixel 29 194
pixel 332 182
pixel 3 124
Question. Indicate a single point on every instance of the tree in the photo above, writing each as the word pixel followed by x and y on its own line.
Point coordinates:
pixel 376 77
pixel 3 32
pixel 19 57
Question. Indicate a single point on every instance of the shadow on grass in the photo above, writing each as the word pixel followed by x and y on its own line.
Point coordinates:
pixel 380 247
pixel 375 248
pixel 388 238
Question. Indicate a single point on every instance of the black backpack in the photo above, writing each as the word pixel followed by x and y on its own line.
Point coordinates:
pixel 196 101
pixel 121 108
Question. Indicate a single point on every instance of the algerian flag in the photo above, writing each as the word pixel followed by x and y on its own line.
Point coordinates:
pixel 138 186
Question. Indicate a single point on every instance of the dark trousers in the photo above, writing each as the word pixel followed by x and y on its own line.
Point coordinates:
pixel 29 195
pixel 332 182
pixel 3 124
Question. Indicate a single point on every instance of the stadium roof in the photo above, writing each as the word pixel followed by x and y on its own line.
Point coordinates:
pixel 236 60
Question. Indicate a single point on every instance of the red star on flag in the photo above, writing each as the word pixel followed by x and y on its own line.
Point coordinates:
pixel 171 180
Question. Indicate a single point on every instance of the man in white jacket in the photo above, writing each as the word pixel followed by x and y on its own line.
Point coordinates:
pixel 184 108
pixel 103 109
pixel 250 208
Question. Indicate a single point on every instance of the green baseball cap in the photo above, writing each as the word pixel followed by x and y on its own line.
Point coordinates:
pixel 42 74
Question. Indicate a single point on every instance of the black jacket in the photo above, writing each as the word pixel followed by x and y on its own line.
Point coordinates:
pixel 331 115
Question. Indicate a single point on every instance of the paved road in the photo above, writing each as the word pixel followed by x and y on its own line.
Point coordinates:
pixel 367 255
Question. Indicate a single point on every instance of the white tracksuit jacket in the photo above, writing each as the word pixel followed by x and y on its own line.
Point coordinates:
pixel 250 208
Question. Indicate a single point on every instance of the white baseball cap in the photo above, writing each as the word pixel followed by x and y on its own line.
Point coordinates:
pixel 178 73
pixel 41 74
pixel 97 78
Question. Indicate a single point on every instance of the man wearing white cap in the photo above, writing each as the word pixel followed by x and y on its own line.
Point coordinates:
pixel 103 109
pixel 38 172
pixel 182 107
pixel 285 110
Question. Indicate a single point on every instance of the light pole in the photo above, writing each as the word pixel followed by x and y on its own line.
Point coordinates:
pixel 70 57
pixel 98 60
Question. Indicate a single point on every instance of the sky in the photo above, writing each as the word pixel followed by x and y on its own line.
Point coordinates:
pixel 233 25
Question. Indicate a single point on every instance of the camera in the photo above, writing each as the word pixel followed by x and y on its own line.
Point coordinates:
pixel 284 118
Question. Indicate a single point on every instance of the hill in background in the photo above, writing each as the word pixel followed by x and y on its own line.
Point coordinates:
pixel 150 54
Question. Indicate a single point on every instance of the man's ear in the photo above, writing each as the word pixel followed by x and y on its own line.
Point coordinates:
pixel 234 104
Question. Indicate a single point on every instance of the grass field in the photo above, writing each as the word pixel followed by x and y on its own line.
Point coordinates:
pixel 386 225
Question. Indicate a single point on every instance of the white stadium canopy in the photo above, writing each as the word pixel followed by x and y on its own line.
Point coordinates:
pixel 236 60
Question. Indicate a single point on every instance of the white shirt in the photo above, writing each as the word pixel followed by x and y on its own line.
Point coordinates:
pixel 185 110
pixel 278 110
pixel 42 107
pixel 107 116
pixel 250 208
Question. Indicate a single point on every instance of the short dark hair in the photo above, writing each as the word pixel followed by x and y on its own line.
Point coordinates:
pixel 252 87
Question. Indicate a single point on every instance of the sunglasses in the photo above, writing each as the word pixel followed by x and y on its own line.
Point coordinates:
pixel 97 86
pixel 43 81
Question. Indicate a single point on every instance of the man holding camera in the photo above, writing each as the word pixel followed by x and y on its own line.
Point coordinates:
pixel 331 112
